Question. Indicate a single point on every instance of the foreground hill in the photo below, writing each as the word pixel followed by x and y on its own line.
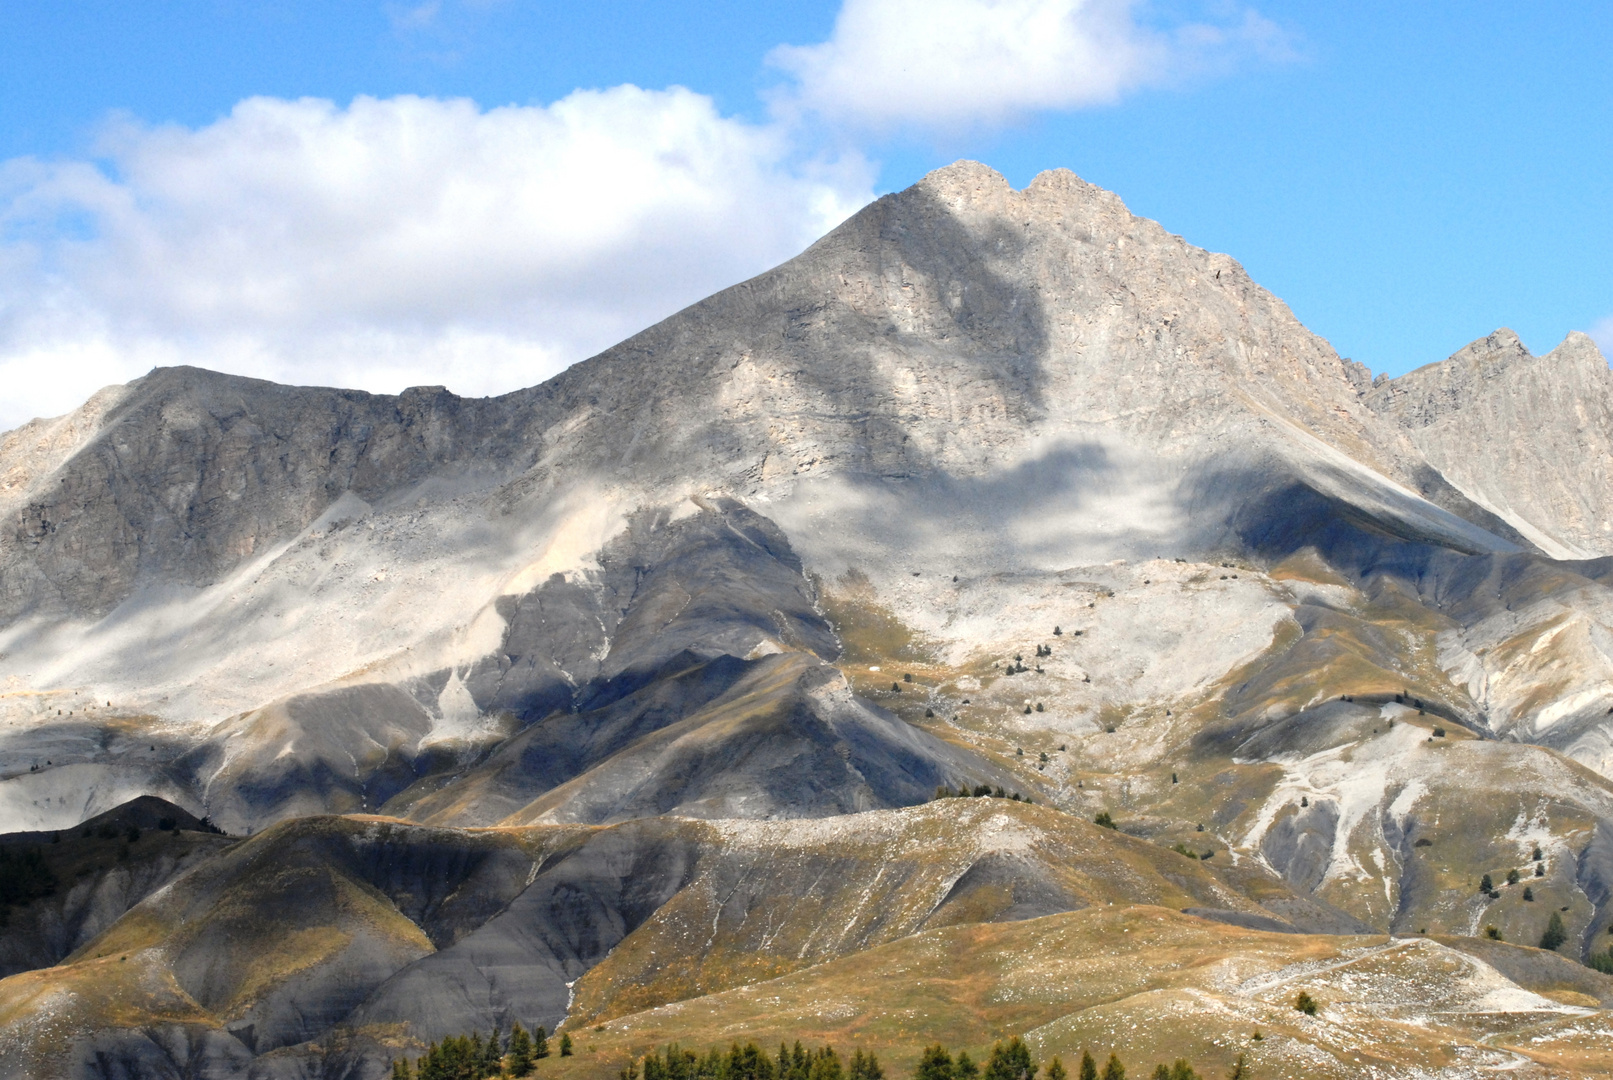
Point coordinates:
pixel 638 687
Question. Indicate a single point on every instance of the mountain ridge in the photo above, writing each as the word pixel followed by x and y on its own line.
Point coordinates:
pixel 988 492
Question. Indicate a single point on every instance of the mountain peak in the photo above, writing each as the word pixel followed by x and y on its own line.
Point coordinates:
pixel 961 177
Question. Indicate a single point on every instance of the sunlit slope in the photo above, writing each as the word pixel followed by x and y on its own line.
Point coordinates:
pixel 1339 747
pixel 1151 984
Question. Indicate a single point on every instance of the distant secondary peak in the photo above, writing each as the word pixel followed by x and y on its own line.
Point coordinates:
pixel 1501 345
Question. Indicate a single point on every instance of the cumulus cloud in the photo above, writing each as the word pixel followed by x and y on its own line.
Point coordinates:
pixel 390 242
pixel 961 63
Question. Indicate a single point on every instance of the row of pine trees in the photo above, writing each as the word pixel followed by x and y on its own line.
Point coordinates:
pixel 468 1057
pixel 1012 1061
pixel 751 1062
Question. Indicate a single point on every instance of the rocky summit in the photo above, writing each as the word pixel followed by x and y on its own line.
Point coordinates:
pixel 1004 619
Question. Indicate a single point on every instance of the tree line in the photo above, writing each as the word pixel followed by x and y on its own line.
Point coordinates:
pixel 1012 1061
pixel 751 1062
pixel 469 1057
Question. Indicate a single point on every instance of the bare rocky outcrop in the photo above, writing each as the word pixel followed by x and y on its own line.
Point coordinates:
pixel 1529 438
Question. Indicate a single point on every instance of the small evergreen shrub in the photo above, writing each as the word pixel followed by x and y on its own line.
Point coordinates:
pixel 1555 934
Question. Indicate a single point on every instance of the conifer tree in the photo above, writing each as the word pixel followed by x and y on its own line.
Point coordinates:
pixel 935 1064
pixel 521 1059
pixel 401 1069
pixel 1555 933
pixel 492 1054
pixel 540 1042
pixel 1181 1070
pixel 965 1068
pixel 863 1067
pixel 826 1065
pixel 1055 1070
pixel 793 1064
pixel 1089 1068
pixel 749 1063
pixel 1010 1062
pixel 565 1045
pixel 1113 1070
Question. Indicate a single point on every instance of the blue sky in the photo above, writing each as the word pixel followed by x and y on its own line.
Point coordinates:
pixel 452 209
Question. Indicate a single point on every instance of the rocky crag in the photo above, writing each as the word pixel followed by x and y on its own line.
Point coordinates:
pixel 630 691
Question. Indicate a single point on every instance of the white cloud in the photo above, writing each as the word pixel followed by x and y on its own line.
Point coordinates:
pixel 390 242
pixel 1602 334
pixel 959 63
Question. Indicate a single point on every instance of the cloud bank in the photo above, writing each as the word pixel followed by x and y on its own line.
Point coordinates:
pixel 407 241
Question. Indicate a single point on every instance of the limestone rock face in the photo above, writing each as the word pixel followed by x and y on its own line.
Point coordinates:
pixel 1530 439
pixel 185 474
